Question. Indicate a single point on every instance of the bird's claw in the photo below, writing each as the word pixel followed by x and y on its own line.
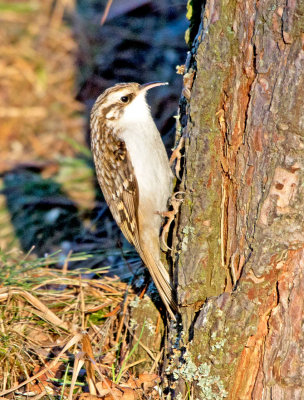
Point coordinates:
pixel 177 155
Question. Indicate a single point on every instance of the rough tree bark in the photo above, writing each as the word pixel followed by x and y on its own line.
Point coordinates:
pixel 239 242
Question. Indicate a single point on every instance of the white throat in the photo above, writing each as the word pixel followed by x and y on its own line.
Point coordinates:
pixel 137 111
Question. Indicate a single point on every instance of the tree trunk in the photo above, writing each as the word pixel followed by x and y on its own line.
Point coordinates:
pixel 239 241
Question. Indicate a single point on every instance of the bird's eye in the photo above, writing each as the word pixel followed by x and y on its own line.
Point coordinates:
pixel 124 99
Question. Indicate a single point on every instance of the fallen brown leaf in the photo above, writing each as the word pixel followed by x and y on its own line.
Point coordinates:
pixel 129 394
pixel 131 382
pixel 148 380
pixel 115 393
pixel 87 396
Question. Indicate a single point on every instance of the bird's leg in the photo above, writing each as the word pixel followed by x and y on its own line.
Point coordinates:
pixel 175 203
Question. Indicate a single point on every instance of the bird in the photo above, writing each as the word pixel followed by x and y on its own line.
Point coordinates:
pixel 134 174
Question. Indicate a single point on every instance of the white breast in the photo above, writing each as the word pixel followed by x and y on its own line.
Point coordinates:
pixel 147 153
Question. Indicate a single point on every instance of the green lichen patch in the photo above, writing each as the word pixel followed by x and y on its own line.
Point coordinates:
pixel 209 386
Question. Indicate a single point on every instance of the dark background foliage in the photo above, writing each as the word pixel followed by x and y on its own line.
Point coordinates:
pixel 50 199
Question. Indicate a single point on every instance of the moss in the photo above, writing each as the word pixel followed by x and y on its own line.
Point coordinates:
pixel 193 14
pixel 218 342
pixel 189 10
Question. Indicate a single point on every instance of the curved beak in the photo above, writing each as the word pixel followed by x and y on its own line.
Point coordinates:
pixel 148 86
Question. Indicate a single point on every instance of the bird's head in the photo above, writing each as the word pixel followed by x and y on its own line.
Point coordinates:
pixel 124 103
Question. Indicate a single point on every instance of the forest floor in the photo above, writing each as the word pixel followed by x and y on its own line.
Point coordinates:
pixel 67 274
pixel 65 334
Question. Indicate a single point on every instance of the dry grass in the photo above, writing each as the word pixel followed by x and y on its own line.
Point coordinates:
pixel 58 327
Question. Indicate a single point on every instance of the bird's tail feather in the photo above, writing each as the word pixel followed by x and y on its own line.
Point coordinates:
pixel 161 279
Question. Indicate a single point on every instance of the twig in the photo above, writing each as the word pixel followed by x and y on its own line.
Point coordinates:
pixel 122 319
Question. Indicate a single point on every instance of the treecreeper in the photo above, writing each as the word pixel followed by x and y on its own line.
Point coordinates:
pixel 134 174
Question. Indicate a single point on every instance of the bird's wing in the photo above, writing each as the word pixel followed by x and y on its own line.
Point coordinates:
pixel 117 180
pixel 120 189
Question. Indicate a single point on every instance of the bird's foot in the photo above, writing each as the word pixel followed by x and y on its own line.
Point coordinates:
pixel 177 155
pixel 175 203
